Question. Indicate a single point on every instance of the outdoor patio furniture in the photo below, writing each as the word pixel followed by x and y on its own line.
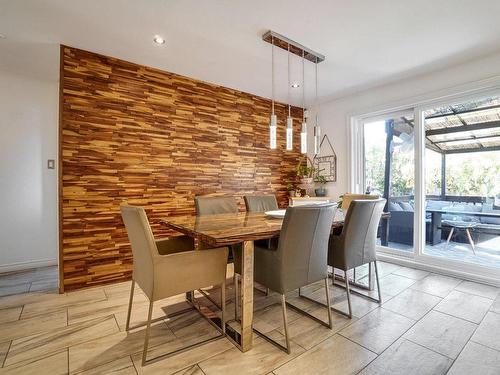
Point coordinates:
pixel 457 225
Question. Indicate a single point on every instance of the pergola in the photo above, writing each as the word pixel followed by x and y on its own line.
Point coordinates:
pixel 454 129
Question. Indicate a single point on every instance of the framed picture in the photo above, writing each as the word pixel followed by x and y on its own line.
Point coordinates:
pixel 326 161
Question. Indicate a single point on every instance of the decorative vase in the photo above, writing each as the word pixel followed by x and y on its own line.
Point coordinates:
pixel 320 192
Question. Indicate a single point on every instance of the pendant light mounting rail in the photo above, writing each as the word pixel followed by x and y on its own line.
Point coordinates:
pixel 296 48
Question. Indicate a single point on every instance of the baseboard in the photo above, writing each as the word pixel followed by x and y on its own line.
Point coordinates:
pixel 409 262
pixel 21 266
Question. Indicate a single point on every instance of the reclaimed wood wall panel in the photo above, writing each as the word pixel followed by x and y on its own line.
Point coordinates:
pixel 139 135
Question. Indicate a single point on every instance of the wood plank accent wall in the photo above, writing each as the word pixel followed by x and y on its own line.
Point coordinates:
pixel 129 133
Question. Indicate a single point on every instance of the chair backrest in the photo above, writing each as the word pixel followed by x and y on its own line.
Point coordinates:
pixel 348 198
pixel 215 205
pixel 303 245
pixel 359 235
pixel 261 203
pixel 143 245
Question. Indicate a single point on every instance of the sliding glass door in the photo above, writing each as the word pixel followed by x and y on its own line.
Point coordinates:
pixel 389 159
pixel 438 166
pixel 462 159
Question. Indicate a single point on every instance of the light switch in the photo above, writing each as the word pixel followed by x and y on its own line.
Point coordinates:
pixel 51 164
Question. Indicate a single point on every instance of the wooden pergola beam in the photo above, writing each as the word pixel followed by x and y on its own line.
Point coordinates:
pixel 463 128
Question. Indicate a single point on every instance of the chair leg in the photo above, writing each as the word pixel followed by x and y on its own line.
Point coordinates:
pixel 146 338
pixel 223 307
pixel 470 240
pixel 236 297
pixel 348 291
pixel 378 282
pixel 327 289
pixel 127 325
pixel 285 323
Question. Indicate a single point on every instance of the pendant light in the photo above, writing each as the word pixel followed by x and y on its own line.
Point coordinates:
pixel 289 119
pixel 274 120
pixel 303 131
pixel 317 129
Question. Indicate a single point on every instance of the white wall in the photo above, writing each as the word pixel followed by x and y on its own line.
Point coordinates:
pixel 335 115
pixel 28 190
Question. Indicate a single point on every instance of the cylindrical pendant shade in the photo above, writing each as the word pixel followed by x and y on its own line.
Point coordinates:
pixel 303 138
pixel 289 133
pixel 272 131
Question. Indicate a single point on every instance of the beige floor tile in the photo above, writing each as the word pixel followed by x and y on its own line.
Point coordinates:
pixel 466 306
pixel 263 358
pixel 29 327
pixel 335 355
pixel 394 284
pixel 93 353
pixel 10 314
pixel 18 300
pixel 82 312
pixel 378 330
pixel 306 332
pixel 406 357
pixel 193 370
pixel 476 359
pixel 55 364
pixel 442 333
pixel 67 300
pixel 121 366
pixel 411 273
pixel 412 303
pixel 14 289
pixel 385 268
pixel 495 307
pixel 488 332
pixel 437 285
pixel 271 318
pixel 180 361
pixel 478 289
pixel 44 344
pixel 121 290
pixel 360 306
pixel 4 348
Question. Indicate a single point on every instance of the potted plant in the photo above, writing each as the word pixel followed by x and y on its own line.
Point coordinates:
pixel 306 172
pixel 291 190
pixel 321 181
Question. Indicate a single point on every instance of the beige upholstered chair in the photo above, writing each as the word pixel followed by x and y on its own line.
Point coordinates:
pixel 299 260
pixel 215 205
pixel 261 203
pixel 169 267
pixel 348 198
pixel 356 244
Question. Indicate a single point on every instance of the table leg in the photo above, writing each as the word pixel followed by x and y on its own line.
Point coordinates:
pixel 435 228
pixel 247 295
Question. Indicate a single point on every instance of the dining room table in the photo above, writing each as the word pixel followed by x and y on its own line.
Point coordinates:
pixel 230 229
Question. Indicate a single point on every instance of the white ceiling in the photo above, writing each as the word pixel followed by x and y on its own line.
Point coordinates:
pixel 366 43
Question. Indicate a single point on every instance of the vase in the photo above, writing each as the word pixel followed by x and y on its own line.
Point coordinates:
pixel 320 192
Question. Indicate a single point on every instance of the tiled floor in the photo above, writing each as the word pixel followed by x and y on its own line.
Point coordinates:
pixel 428 324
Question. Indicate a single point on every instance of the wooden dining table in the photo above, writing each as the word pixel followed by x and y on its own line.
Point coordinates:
pixel 229 229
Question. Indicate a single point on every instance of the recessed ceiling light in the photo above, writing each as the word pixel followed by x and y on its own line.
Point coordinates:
pixel 295 85
pixel 158 39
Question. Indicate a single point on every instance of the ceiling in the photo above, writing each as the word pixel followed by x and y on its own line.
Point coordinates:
pixel 366 43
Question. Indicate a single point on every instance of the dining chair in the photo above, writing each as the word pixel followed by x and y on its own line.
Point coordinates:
pixel 348 198
pixel 261 203
pixel 215 205
pixel 167 267
pixel 356 245
pixel 299 259
pixel 210 205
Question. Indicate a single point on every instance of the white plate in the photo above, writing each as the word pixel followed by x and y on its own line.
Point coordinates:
pixel 279 214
